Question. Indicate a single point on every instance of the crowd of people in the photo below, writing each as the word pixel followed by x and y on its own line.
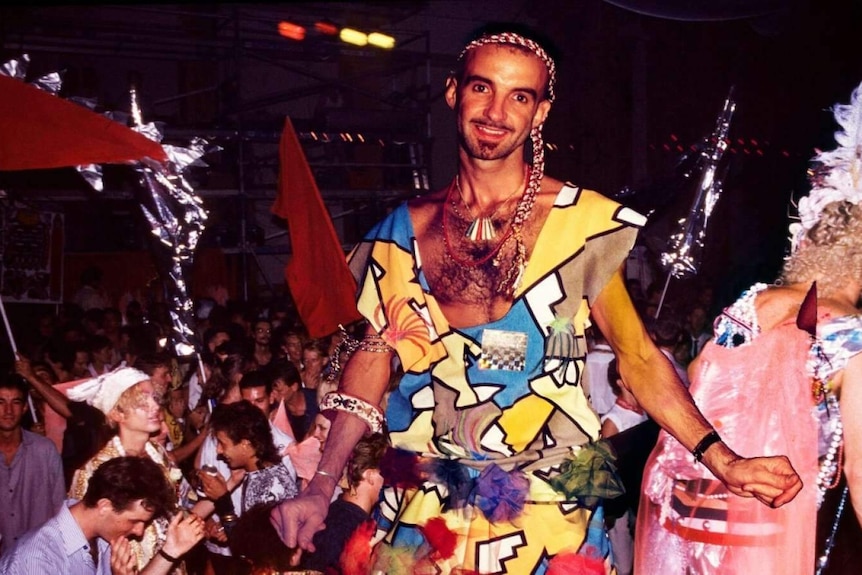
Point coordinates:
pixel 235 428
pixel 493 412
pixel 257 366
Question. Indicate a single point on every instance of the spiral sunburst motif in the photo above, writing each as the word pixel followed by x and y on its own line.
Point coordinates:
pixel 401 322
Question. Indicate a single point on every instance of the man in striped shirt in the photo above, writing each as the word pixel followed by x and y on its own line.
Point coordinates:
pixel 90 537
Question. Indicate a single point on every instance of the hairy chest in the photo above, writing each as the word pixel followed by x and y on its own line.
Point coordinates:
pixel 469 278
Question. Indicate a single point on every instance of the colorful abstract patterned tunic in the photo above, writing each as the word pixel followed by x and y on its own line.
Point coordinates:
pixel 501 400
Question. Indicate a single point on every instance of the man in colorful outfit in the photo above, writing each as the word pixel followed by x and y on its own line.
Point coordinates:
pixel 484 290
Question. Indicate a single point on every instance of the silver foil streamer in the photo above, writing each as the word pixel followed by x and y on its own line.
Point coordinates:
pixel 92 174
pixel 685 248
pixel 50 83
pixel 168 202
pixel 16 68
pixel 177 219
pixel 88 103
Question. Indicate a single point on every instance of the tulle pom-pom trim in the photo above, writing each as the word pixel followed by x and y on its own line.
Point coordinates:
pixel 501 495
pixel 442 539
pixel 356 556
pixel 589 476
pixel 571 563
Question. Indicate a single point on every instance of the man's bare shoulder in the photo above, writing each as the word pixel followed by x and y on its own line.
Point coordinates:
pixel 425 208
pixel 431 200
pixel 551 186
pixel 549 192
pixel 551 189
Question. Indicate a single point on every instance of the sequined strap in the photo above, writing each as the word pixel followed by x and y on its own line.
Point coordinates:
pixel 737 325
pixel 838 341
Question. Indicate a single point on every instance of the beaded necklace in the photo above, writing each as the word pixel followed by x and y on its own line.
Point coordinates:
pixel 450 251
pixel 482 227
pixel 515 273
pixel 830 468
pixel 512 276
pixel 823 364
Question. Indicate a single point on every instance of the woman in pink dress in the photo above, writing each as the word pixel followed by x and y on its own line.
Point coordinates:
pixel 783 375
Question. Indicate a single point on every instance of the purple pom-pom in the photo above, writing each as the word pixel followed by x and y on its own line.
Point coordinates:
pixel 500 494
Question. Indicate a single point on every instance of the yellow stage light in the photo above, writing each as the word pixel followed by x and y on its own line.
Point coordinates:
pixel 352 36
pixel 381 40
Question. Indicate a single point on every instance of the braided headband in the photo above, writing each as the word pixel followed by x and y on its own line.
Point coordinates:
pixel 518 40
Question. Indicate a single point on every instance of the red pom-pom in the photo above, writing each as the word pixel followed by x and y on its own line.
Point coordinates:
pixel 571 563
pixel 356 556
pixel 442 539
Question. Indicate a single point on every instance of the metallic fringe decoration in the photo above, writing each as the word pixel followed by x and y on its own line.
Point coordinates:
pixel 686 246
pixel 177 219
pixel 589 475
pixel 169 203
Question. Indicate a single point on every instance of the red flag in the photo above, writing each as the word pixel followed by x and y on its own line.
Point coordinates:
pixel 317 274
pixel 40 131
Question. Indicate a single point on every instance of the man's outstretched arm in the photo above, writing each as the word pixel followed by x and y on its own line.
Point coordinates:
pixel 653 381
pixel 366 376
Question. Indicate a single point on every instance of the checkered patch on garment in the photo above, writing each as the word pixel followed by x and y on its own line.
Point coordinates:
pixel 503 350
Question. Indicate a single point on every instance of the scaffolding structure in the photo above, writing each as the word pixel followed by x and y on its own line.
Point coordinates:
pixel 221 72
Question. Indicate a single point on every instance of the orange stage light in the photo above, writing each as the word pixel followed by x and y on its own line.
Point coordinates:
pixel 291 30
pixel 327 28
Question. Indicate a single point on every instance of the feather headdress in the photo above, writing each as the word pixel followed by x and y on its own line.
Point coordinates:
pixel 838 173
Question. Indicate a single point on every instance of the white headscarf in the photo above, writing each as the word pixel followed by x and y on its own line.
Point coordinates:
pixel 102 392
